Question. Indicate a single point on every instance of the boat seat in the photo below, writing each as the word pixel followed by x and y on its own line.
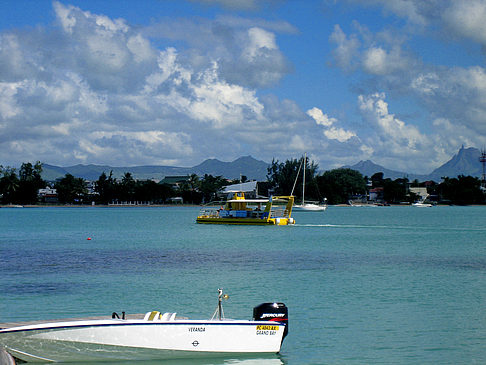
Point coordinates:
pixel 152 316
pixel 168 316
pixel 165 316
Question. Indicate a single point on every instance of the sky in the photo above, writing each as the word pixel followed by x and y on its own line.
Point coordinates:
pixel 175 82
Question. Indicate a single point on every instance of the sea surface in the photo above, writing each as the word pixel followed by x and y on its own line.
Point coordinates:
pixel 364 285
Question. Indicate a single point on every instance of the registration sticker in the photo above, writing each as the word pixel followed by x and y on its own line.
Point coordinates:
pixel 266 330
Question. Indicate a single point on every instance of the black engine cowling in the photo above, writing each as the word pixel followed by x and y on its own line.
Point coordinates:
pixel 273 312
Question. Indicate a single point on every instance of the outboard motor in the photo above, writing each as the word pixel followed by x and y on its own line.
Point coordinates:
pixel 273 312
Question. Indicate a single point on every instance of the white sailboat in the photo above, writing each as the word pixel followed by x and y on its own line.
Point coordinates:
pixel 154 336
pixel 307 206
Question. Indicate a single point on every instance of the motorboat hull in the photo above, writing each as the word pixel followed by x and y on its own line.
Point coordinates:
pixel 116 339
pixel 422 205
pixel 247 221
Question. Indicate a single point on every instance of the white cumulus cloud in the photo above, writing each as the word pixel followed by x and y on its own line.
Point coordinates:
pixel 347 48
pixel 392 129
pixel 378 61
pixel 466 19
pixel 392 138
pixel 331 131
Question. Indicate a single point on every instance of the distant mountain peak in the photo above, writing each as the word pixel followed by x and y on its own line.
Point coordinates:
pixel 465 162
pixel 244 158
pixel 367 163
pixel 369 168
pixel 245 165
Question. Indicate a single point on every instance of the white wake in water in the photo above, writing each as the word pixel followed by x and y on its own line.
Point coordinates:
pixel 480 229
pixel 342 226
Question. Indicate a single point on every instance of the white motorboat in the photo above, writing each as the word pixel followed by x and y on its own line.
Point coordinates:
pixel 422 205
pixel 155 336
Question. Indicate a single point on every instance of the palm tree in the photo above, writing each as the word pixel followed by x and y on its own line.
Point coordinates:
pixel 9 184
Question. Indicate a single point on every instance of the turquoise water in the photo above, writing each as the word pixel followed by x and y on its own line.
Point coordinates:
pixel 389 285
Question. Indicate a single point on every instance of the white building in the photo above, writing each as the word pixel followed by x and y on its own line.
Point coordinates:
pixel 421 192
pixel 47 195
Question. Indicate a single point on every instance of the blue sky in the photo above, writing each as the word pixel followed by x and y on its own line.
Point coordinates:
pixel 174 82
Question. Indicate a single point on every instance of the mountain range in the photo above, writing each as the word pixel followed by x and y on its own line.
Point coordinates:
pixel 252 168
pixel 465 162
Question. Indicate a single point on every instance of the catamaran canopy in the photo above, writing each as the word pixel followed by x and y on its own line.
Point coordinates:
pixel 242 187
pixel 247 201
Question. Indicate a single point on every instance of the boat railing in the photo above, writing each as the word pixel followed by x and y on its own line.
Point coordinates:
pixel 214 212
pixel 278 211
pixel 257 214
pixel 209 212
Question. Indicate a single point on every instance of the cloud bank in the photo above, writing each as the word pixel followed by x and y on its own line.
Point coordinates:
pixel 92 89
pixel 96 90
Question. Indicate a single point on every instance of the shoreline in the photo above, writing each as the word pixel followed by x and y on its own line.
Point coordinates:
pixel 14 206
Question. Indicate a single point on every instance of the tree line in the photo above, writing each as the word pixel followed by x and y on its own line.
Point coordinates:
pixel 22 186
pixel 342 184
pixel 338 186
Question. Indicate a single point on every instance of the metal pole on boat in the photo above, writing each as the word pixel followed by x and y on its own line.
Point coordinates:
pixel 220 305
pixel 221 296
pixel 219 308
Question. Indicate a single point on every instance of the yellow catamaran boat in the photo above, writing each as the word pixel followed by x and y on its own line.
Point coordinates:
pixel 276 210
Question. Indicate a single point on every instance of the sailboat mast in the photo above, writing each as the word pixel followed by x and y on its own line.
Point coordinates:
pixel 303 176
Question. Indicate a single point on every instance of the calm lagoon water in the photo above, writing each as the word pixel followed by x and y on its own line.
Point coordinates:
pixel 383 285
